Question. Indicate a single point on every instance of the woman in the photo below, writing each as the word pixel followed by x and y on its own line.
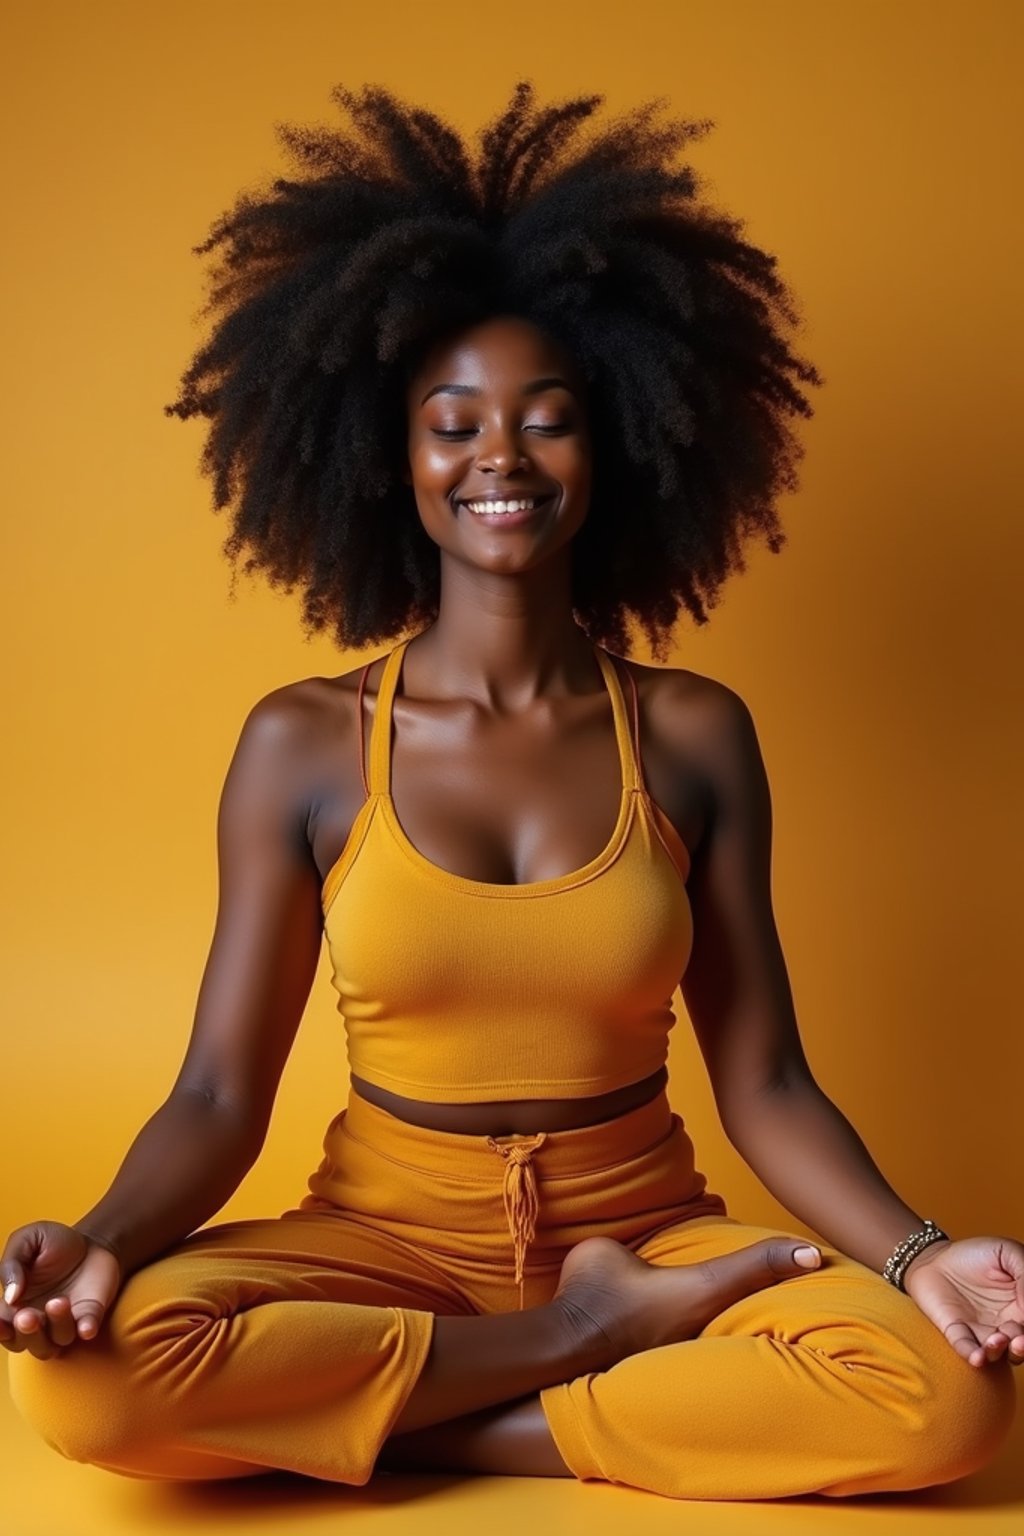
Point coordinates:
pixel 497 407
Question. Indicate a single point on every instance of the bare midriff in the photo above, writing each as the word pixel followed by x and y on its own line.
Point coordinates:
pixel 512 1117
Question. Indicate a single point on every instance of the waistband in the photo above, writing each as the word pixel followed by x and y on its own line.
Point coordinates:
pixel 585 1149
pixel 518 1157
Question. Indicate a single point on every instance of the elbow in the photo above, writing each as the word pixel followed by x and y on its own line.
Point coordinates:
pixel 246 1119
pixel 755 1103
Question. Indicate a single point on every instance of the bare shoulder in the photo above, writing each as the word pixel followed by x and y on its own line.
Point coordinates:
pixel 699 720
pixel 302 714
pixel 326 732
pixel 297 748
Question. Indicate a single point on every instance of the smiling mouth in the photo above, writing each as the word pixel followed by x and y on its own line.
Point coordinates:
pixel 512 509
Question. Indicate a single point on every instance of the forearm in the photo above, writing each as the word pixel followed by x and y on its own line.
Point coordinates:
pixel 809 1156
pixel 186 1161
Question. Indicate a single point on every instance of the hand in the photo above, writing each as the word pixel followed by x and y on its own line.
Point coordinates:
pixel 60 1284
pixel 973 1291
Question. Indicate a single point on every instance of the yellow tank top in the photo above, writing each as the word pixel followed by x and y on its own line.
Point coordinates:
pixel 461 991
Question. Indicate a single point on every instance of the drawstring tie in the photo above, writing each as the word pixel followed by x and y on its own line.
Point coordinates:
pixel 520 1196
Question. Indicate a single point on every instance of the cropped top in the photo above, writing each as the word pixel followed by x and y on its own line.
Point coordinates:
pixel 462 991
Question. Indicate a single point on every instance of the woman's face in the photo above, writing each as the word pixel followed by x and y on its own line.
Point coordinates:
pixel 499 411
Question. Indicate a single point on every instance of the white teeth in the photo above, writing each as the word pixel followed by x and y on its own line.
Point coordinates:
pixel 519 505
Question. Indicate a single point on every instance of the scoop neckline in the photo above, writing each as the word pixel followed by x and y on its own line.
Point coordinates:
pixel 499 888
pixel 594 866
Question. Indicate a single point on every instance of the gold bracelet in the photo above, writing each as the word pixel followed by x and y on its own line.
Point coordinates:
pixel 898 1262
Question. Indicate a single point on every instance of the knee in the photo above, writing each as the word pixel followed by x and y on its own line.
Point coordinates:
pixel 110 1401
pixel 76 1402
pixel 920 1415
pixel 935 1425
pixel 963 1416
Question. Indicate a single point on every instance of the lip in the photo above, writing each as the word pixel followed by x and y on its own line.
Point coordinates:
pixel 507 519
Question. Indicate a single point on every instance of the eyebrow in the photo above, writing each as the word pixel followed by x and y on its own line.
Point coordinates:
pixel 533 388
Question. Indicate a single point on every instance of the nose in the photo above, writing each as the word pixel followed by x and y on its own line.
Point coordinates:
pixel 501 450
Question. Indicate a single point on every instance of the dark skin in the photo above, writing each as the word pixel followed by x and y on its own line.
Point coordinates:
pixel 504 770
pixel 523 729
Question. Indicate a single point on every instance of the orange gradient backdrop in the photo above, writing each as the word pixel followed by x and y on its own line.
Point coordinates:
pixel 870 147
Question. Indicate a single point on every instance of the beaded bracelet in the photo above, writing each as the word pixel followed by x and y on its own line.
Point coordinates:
pixel 898 1262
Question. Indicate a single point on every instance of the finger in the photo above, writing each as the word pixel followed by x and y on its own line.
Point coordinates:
pixel 28 1320
pixel 31 1324
pixel 42 1347
pixel 1013 1331
pixel 1006 1340
pixel 19 1255
pixel 12 1276
pixel 963 1341
pixel 991 1347
pixel 995 1345
pixel 61 1322
pixel 37 1344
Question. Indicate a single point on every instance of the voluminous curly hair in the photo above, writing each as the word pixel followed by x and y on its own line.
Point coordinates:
pixel 328 288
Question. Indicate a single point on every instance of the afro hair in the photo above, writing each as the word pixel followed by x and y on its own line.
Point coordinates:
pixel 328 287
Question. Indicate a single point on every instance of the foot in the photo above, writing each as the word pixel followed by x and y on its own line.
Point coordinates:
pixel 604 1289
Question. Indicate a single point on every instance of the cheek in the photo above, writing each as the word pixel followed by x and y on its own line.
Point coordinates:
pixel 567 459
pixel 434 462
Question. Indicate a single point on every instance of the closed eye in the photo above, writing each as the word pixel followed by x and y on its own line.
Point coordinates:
pixel 467 431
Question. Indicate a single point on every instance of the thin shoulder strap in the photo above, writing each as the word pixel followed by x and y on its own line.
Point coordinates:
pixel 380 731
pixel 362 736
pixel 628 755
pixel 637 758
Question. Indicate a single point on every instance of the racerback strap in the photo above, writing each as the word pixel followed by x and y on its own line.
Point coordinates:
pixel 380 733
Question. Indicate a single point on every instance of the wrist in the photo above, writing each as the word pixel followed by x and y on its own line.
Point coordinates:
pixel 106 1243
pixel 921 1260
pixel 929 1235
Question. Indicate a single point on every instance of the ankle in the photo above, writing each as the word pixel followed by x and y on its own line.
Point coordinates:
pixel 587 1346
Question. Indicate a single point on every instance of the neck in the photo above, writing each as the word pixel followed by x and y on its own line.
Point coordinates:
pixel 504 659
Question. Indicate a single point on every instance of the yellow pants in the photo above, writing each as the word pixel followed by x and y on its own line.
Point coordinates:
pixel 294 1342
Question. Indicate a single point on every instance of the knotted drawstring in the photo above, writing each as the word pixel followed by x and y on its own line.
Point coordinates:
pixel 520 1196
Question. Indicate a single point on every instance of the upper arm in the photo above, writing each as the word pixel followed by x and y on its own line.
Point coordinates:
pixel 267 934
pixel 736 987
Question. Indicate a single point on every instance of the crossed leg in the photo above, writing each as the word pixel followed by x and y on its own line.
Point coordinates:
pixel 298 1343
pixel 831 1382
pixel 280 1343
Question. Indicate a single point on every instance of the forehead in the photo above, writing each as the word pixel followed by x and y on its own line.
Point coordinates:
pixel 499 353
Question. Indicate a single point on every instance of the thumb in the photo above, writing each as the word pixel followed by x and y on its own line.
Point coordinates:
pixel 15 1276
pixel 20 1254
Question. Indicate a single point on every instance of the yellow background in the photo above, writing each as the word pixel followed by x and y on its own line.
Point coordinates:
pixel 875 149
